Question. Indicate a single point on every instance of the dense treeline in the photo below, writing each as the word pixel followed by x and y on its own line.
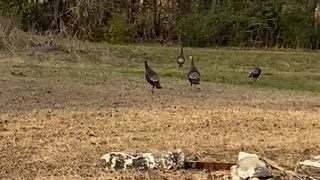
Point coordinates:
pixel 244 23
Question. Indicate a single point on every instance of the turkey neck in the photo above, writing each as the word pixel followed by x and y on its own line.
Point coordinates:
pixel 146 65
pixel 193 67
pixel 192 64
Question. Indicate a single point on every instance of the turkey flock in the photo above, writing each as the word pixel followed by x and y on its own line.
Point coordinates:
pixel 193 75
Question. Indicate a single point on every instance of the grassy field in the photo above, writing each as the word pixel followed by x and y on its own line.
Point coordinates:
pixel 290 70
pixel 60 112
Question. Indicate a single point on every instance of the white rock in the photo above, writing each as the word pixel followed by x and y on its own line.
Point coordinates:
pixel 249 166
pixel 310 166
pixel 312 163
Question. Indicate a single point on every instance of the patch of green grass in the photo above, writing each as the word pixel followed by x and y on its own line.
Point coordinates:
pixel 293 70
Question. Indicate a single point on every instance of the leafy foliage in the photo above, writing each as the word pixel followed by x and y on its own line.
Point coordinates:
pixel 117 30
pixel 254 23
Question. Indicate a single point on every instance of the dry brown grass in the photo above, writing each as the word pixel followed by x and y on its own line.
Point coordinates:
pixel 15 40
pixel 57 128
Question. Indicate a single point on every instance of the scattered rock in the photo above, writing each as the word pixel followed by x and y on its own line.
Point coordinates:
pixel 3 124
pixel 310 166
pixel 250 166
pixel 143 161
pixel 17 73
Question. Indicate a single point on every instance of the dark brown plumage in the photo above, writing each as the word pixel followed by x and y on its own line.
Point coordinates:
pixel 194 74
pixel 152 77
pixel 180 58
pixel 255 73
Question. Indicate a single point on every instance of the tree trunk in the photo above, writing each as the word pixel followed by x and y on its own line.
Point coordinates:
pixel 131 11
pixel 316 24
pixel 56 10
pixel 156 18
pixel 314 35
pixel 214 4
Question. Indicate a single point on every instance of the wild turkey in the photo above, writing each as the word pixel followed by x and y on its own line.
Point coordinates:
pixel 180 58
pixel 255 73
pixel 194 74
pixel 152 77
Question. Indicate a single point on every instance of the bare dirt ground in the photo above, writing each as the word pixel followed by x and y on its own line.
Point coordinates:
pixel 57 128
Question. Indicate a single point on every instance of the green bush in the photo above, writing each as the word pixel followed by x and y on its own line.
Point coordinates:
pixel 117 29
pixel 259 24
pixel 268 23
pixel 208 29
pixel 296 26
pixel 23 11
pixel 196 29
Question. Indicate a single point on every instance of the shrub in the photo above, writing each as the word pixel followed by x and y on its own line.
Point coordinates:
pixel 117 29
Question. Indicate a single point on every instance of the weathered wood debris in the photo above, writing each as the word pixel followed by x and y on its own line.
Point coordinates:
pixel 248 167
